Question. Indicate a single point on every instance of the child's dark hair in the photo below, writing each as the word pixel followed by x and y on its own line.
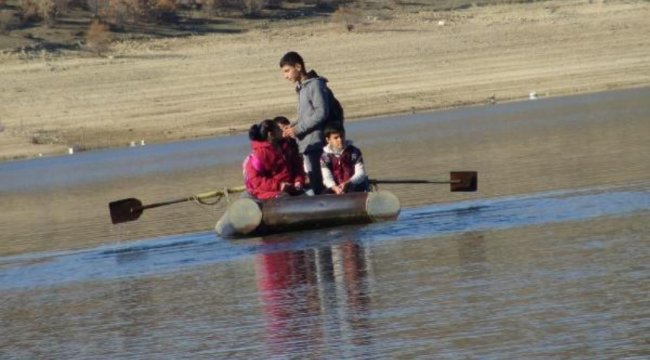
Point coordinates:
pixel 292 58
pixel 335 128
pixel 261 131
pixel 281 120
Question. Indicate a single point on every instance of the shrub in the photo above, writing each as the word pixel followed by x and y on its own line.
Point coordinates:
pixel 123 12
pixel 98 7
pixel 165 10
pixel 29 10
pixel 64 6
pixel 347 16
pixel 212 6
pixel 8 21
pixel 35 10
pixel 274 4
pixel 332 4
pixel 47 10
pixel 165 5
pixel 252 7
pixel 98 37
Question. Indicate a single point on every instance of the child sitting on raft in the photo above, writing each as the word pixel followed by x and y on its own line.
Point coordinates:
pixel 274 168
pixel 342 163
pixel 284 123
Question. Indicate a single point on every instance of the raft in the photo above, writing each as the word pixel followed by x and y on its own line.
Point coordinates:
pixel 246 217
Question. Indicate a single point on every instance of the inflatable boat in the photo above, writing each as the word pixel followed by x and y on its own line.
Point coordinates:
pixel 247 217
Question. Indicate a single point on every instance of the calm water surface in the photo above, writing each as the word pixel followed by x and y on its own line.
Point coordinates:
pixel 541 274
pixel 559 274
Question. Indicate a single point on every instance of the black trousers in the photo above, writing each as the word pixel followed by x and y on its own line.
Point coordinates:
pixel 312 164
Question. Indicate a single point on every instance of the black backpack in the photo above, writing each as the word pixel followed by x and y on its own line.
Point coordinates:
pixel 336 110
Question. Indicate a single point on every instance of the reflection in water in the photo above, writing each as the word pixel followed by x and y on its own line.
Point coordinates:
pixel 149 257
pixel 554 275
pixel 568 290
pixel 471 254
pixel 301 303
pixel 134 317
pixel 126 257
pixel 283 281
pixel 355 274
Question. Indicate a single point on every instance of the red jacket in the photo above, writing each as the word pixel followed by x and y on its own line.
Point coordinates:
pixel 267 167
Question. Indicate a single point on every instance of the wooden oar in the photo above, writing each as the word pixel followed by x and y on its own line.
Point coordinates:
pixel 130 209
pixel 458 180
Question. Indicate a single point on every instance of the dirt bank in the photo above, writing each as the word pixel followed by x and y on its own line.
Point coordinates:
pixel 174 89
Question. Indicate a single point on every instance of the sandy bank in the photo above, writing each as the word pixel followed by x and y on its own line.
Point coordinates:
pixel 183 88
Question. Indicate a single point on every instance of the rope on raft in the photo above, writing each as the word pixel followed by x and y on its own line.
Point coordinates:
pixel 226 195
pixel 203 202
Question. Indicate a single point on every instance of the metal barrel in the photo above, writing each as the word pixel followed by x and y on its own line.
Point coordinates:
pixel 307 212
pixel 243 217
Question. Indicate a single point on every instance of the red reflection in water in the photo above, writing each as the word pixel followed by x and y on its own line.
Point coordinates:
pixel 300 301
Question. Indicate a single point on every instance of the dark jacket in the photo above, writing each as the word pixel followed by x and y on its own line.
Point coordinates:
pixel 340 166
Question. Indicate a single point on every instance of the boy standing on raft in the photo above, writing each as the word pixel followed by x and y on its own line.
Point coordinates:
pixel 315 109
pixel 342 163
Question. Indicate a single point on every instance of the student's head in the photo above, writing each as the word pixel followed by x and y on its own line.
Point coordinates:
pixel 267 130
pixel 335 136
pixel 282 122
pixel 292 66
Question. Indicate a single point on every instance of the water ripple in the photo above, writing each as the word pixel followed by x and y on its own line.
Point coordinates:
pixel 160 255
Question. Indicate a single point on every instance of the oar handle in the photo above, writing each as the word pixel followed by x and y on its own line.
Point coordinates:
pixel 211 194
pixel 378 181
pixel 155 205
pixel 201 196
pixel 465 181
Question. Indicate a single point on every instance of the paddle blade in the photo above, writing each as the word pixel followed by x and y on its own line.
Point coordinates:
pixel 125 210
pixel 465 181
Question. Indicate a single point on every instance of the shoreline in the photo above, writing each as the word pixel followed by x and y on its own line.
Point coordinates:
pixel 517 149
pixel 64 151
pixel 172 90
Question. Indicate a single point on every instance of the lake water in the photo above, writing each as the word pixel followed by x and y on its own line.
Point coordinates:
pixel 560 273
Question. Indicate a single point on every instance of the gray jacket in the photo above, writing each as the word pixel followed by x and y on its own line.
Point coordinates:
pixel 313 112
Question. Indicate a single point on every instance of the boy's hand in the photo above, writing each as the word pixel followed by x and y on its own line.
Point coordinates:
pixel 288 132
pixel 341 188
pixel 285 186
pixel 345 186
